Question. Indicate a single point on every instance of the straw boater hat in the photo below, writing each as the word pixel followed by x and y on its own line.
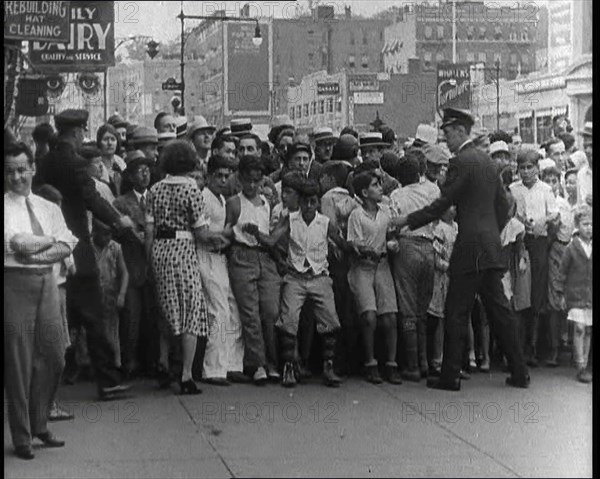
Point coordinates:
pixel 498 146
pixel 373 138
pixel 323 134
pixel 241 126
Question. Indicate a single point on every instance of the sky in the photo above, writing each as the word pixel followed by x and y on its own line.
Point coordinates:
pixel 158 19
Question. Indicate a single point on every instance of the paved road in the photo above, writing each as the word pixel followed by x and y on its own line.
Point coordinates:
pixel 357 430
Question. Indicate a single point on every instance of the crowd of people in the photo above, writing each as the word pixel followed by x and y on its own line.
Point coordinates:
pixel 434 258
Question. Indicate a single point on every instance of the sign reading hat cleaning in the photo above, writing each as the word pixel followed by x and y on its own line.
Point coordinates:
pixel 40 21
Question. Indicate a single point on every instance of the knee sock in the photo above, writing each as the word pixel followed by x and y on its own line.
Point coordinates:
pixel 578 335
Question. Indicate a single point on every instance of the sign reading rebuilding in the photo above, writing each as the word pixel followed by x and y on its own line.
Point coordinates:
pixel 453 86
pixel 41 21
pixel 248 69
pixel 328 88
pixel 91 45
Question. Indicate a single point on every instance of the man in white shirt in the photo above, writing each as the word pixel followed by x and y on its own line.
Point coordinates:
pixel 585 176
pixel 35 238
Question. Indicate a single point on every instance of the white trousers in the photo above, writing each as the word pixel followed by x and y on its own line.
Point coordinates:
pixel 225 347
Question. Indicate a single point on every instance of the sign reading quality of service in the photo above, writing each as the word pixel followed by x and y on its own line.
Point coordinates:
pixel 91 45
pixel 42 21
pixel 248 69
pixel 453 86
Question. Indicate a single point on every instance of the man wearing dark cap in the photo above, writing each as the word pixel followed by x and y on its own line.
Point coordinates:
pixel 476 265
pixel 138 299
pixel 66 170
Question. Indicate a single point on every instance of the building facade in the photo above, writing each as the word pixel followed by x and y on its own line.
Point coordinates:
pixel 485 33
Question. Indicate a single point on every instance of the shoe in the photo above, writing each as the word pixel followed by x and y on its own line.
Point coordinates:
pixel 434 372
pixel 289 375
pixel 163 376
pixel 414 376
pixel 372 374
pixel 484 367
pixel 260 377
pixel 49 440
pixel 113 392
pixel 583 376
pixel 238 377
pixel 438 383
pixel 329 376
pixel 303 371
pixel 464 375
pixel 472 364
pixel 518 383
pixel 58 414
pixel 273 374
pixel 551 363
pixel 217 381
pixel 392 375
pixel 189 388
pixel 24 452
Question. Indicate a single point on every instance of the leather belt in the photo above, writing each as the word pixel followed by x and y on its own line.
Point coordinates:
pixel 167 233
pixel 417 238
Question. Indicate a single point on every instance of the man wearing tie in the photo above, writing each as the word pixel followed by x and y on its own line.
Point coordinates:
pixel 473 185
pixel 35 238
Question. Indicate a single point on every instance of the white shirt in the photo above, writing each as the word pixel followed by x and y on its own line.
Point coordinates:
pixel 584 184
pixel 250 213
pixel 567 221
pixel 412 198
pixel 214 209
pixel 367 232
pixel 536 202
pixel 16 220
pixel 587 247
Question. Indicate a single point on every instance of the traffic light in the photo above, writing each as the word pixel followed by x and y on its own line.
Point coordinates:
pixel 152 50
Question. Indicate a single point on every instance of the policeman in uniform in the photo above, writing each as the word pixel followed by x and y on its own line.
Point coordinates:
pixel 475 266
pixel 66 170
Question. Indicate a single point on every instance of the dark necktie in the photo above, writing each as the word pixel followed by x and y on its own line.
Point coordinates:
pixel 36 227
pixel 143 203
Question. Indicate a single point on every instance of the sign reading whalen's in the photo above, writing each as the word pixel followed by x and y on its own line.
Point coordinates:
pixel 453 86
pixel 41 21
pixel 91 45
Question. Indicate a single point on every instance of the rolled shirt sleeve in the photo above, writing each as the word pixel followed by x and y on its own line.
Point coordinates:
pixel 60 231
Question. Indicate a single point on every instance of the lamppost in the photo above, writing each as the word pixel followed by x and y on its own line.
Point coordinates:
pixel 496 70
pixel 256 40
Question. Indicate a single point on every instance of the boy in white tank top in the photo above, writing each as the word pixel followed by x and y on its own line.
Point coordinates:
pixel 306 233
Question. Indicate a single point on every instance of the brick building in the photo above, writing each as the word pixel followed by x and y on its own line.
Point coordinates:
pixel 485 33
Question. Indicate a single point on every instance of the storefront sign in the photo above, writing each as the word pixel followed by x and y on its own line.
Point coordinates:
pixel 368 98
pixel 91 46
pixel 328 88
pixel 453 86
pixel 39 21
pixel 363 83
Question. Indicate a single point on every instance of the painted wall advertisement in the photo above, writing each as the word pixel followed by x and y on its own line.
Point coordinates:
pixel 453 86
pixel 91 45
pixel 248 69
pixel 41 21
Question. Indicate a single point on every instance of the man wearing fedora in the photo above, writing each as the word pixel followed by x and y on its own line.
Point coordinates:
pixel 66 170
pixel 584 176
pixel 201 134
pixel 476 265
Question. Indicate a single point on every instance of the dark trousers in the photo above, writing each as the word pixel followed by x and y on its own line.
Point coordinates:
pixel 459 302
pixel 33 350
pixel 538 255
pixel 84 308
pixel 135 316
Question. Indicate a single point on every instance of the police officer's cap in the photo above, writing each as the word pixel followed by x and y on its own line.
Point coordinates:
pixel 456 116
pixel 71 118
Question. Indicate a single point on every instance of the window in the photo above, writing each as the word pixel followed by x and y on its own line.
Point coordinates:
pixel 351 38
pixel 292 111
pixel 482 32
pixel 339 104
pixel 525 58
pixel 351 61
pixel 306 109
pixel 365 61
pixel 498 33
pixel 330 105
pixel 313 107
pixel 525 36
pixel 440 31
pixel 428 32
pixel 497 57
pixel 470 32
pixel 311 57
pixel 299 111
pixel 427 56
pixel 470 56
pixel 512 36
pixel 482 57
pixel 381 36
pixel 321 106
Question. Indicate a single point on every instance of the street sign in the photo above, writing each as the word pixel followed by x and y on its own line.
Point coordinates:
pixel 37 21
pixel 368 97
pixel 453 86
pixel 91 45
pixel 171 84
pixel 328 88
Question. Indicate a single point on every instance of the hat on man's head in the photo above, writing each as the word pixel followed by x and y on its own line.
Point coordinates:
pixel 198 124
pixel 134 159
pixel 435 154
pixel 279 123
pixel 133 155
pixel 323 133
pixel 373 138
pixel 71 117
pixel 457 116
pixel 587 130
pixel 241 126
pixel 426 134
pixel 295 148
pixel 346 148
pixel 498 146
pixel 165 137
pixel 181 128
pixel 142 135
pixel 117 121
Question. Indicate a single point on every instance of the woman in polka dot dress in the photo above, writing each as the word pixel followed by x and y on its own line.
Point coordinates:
pixel 176 221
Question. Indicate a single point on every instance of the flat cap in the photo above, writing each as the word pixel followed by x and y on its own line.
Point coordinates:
pixel 142 135
pixel 71 117
pixel 435 154
pixel 457 116
pixel 296 147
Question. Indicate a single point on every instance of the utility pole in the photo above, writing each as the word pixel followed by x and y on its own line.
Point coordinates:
pixel 181 65
pixel 497 95
pixel 453 31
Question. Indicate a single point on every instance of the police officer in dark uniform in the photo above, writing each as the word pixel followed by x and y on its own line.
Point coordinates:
pixel 473 185
pixel 66 170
